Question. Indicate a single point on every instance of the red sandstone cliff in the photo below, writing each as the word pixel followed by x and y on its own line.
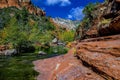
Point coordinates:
pixel 22 3
pixel 106 21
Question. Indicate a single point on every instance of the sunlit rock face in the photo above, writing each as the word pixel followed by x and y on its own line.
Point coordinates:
pixel 111 27
pixel 66 23
pixel 20 4
pixel 3 3
pixel 24 0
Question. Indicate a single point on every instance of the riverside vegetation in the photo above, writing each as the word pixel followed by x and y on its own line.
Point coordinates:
pixel 28 33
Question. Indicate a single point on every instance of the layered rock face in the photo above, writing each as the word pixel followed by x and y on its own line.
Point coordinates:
pixel 96 59
pixel 103 55
pixel 107 21
pixel 65 67
pixel 22 3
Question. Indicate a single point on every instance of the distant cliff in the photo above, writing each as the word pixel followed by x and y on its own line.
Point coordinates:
pixel 66 23
pixel 22 3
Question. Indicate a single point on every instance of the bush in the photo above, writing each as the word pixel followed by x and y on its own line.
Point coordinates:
pixel 105 21
pixel 88 9
pixel 46 37
pixel 54 49
pixel 25 46
pixel 87 21
pixel 58 50
pixel 66 36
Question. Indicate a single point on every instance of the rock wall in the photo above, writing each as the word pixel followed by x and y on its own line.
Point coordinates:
pixel 112 27
pixel 102 55
pixel 106 21
pixel 22 3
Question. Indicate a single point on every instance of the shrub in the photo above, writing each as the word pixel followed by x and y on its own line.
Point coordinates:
pixel 55 49
pixel 88 9
pixel 46 37
pixel 87 21
pixel 105 21
pixel 66 36
pixel 58 49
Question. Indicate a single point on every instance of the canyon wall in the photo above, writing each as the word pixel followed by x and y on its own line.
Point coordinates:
pixel 20 4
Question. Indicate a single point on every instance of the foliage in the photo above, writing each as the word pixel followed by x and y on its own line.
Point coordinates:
pixel 106 1
pixel 59 49
pixel 47 38
pixel 89 15
pixel 88 9
pixel 87 21
pixel 66 36
pixel 105 21
pixel 22 29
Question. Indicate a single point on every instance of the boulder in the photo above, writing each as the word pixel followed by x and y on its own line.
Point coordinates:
pixel 115 25
pixel 10 52
pixel 55 41
pixel 61 44
pixel 111 28
pixel 40 53
pixel 1 52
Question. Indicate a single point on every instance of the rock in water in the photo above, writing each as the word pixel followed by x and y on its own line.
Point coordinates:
pixel 10 52
pixel 40 53
pixel 55 40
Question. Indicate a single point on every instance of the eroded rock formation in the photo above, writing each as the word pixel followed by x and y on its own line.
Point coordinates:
pixel 103 55
pixel 107 20
pixel 22 3
pixel 96 59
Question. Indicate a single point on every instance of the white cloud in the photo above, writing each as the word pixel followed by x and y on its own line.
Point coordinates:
pixel 65 2
pixel 61 2
pixel 70 16
pixel 76 13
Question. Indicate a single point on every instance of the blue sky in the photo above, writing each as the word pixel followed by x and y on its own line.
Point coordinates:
pixel 68 9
